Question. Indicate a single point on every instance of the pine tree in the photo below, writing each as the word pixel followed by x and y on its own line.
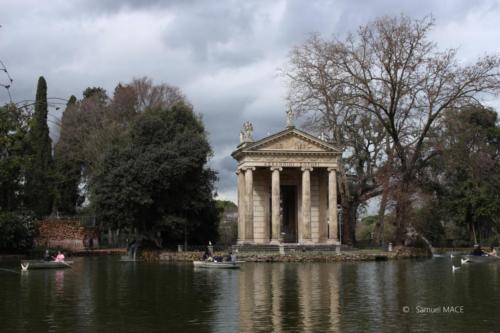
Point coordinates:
pixel 39 195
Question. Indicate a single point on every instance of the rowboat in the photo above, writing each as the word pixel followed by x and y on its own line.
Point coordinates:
pixel 214 264
pixel 482 259
pixel 41 264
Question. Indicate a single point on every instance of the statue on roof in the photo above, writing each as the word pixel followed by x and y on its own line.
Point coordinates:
pixel 246 132
pixel 289 118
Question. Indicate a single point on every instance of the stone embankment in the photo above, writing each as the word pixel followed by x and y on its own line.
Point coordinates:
pixel 66 235
pixel 311 256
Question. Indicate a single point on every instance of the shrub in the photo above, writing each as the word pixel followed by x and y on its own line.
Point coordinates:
pixel 17 231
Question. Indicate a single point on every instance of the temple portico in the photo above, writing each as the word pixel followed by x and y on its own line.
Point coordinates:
pixel 287 188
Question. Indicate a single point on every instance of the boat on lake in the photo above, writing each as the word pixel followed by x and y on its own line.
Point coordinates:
pixel 215 264
pixel 42 264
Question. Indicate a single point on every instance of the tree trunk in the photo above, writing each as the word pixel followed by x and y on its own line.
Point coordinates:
pixel 403 205
pixel 379 227
pixel 349 219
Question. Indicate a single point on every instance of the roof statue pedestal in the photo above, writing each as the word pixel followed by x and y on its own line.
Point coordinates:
pixel 287 188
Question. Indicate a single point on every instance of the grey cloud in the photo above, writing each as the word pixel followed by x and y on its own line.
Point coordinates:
pixel 222 54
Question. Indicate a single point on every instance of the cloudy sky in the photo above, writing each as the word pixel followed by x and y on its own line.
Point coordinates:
pixel 224 55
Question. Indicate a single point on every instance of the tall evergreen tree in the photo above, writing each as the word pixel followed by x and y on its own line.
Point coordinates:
pixel 68 166
pixel 39 195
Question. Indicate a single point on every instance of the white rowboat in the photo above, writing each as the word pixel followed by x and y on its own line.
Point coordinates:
pixel 213 264
pixel 41 264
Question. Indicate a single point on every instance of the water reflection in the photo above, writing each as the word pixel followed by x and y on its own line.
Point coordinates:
pixel 103 294
pixel 284 297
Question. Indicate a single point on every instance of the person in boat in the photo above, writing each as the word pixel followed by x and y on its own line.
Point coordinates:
pixel 46 255
pixel 218 258
pixel 477 251
pixel 206 255
pixel 59 257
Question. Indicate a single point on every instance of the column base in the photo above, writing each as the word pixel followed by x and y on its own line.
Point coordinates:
pixel 332 242
pixel 274 242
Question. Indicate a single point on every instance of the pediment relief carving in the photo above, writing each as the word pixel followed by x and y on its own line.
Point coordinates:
pixel 290 143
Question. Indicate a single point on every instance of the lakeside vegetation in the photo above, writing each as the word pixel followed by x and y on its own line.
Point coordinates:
pixel 136 161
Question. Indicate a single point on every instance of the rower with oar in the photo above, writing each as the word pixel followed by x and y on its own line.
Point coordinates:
pixel 59 257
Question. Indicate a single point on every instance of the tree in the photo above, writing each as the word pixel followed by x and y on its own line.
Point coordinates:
pixel 156 181
pixel 39 191
pixel 14 156
pixel 391 71
pixel 466 175
pixel 67 164
pixel 314 95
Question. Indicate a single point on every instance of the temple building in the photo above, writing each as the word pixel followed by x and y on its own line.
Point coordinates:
pixel 287 188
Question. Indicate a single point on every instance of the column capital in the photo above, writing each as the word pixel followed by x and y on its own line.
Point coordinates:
pixel 331 169
pixel 247 168
pixel 273 168
pixel 306 168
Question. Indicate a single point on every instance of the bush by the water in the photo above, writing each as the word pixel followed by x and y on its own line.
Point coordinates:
pixel 17 231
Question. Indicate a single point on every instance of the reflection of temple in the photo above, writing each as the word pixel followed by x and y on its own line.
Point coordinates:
pixel 287 188
pixel 282 298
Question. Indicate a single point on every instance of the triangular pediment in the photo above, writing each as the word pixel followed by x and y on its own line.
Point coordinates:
pixel 292 140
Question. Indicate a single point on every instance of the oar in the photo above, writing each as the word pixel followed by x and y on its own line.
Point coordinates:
pixel 9 270
pixel 65 263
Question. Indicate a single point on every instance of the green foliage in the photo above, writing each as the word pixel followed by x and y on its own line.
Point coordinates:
pixel 365 230
pixel 67 164
pixel 97 93
pixel 466 177
pixel 225 204
pixel 14 156
pixel 369 220
pixel 39 182
pixel 156 181
pixel 16 231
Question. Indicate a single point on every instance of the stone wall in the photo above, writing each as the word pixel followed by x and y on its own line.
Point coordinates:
pixel 67 235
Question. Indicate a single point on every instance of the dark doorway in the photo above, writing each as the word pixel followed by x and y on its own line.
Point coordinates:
pixel 289 211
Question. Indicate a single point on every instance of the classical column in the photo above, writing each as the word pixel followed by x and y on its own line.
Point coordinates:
pixel 249 204
pixel 306 204
pixel 275 205
pixel 333 235
pixel 323 204
pixel 241 206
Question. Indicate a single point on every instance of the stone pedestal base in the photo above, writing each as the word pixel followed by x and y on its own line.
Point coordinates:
pixel 332 242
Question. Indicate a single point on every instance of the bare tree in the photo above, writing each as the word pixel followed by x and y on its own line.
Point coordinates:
pixel 150 96
pixel 390 70
pixel 315 95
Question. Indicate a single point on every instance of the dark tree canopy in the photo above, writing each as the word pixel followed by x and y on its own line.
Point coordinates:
pixel 464 179
pixel 156 181
pixel 14 156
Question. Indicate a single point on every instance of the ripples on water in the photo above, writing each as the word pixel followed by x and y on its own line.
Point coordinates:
pixel 105 295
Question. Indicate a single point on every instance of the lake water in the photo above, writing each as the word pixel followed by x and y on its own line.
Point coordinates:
pixel 105 295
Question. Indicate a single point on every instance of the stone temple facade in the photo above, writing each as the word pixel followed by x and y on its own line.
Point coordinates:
pixel 287 188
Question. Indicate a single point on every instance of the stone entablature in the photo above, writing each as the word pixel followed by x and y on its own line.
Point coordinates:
pixel 305 167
